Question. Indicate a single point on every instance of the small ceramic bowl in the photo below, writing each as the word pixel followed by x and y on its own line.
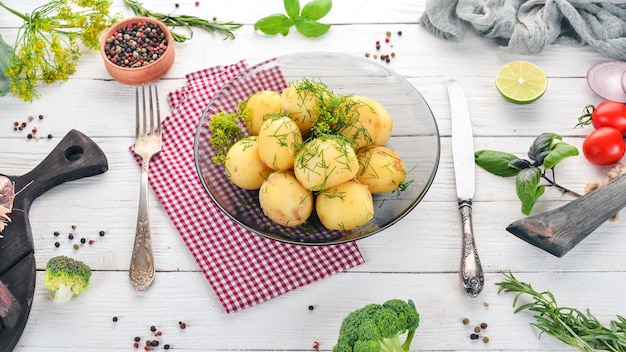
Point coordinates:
pixel 140 74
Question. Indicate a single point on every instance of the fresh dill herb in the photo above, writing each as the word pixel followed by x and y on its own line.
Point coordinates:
pixel 48 42
pixel 184 21
pixel 570 325
pixel 225 132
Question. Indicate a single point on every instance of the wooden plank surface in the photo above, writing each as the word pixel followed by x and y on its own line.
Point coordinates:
pixel 417 258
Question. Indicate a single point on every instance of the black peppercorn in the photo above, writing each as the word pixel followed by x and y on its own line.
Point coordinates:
pixel 474 336
pixel 70 236
pixel 311 307
pixel 114 319
pixel 57 244
pixel 101 233
pixel 153 328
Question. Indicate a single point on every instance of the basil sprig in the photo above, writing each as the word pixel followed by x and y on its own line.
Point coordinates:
pixel 545 153
pixel 305 19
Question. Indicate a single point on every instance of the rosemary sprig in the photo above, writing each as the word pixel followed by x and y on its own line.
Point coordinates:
pixel 570 325
pixel 184 21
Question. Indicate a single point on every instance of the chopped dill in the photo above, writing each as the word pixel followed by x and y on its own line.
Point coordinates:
pixel 225 132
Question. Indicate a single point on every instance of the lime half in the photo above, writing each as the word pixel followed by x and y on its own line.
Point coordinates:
pixel 521 82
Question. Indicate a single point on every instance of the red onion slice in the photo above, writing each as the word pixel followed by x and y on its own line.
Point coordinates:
pixel 605 79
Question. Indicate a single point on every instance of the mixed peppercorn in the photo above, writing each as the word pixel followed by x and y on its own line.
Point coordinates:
pixel 477 330
pixel 71 237
pixel 136 45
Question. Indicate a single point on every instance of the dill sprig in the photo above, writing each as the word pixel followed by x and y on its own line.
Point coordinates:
pixel 184 21
pixel 226 130
pixel 570 325
pixel 47 45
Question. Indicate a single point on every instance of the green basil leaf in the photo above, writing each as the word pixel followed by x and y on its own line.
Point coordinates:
pixel 559 152
pixel 6 53
pixel 542 143
pixel 274 24
pixel 495 162
pixel 311 28
pixel 528 188
pixel 316 9
pixel 292 7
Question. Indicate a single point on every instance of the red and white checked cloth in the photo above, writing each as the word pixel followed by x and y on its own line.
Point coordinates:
pixel 242 268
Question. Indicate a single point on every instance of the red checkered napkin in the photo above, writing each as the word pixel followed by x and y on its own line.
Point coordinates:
pixel 242 268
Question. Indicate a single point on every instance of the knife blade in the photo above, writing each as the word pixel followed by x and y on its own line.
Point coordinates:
pixel 470 271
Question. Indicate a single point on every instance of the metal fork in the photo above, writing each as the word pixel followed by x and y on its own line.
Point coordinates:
pixel 147 145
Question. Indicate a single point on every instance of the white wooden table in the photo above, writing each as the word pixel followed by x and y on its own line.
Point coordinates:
pixel 418 258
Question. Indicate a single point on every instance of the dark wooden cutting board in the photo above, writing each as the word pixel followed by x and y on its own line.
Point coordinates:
pixel 75 157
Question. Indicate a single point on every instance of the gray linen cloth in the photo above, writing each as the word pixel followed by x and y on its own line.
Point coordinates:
pixel 529 26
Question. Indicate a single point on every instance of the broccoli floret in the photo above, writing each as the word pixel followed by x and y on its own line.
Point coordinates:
pixel 65 277
pixel 378 328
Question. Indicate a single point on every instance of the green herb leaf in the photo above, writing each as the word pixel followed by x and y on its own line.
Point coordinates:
pixel 559 152
pixel 274 24
pixel 497 163
pixel 317 9
pixel 292 7
pixel 304 19
pixel 543 143
pixel 528 188
pixel 311 28
pixel 6 53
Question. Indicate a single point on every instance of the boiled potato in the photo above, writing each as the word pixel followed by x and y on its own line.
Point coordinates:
pixel 301 100
pixel 345 207
pixel 244 166
pixel 381 168
pixel 258 106
pixel 365 123
pixel 325 162
pixel 279 137
pixel 386 122
pixel 284 200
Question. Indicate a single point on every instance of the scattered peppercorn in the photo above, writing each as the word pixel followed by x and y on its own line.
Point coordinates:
pixel 158 333
pixel 83 240
pixel 76 247
pixel 182 325
pixel 101 233
pixel 148 342
pixel 70 236
pixel 56 233
pixel 477 329
pixel 485 339
pixel 147 348
pixel 197 3
pixel 166 346
pixel 388 34
pixel 154 343
pixel 400 33
pixel 114 319
pixel 92 241
pixel 73 227
pixel 378 47
pixel 49 136
pixel 41 117
pixel 466 321
pixel 137 338
pixel 311 307
pixel 176 5
pixel 30 136
pixel 153 328
pixel 136 345
pixel 474 336
pixel 57 244
pixel 483 325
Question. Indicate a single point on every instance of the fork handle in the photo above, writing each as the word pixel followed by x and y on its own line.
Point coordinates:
pixel 142 269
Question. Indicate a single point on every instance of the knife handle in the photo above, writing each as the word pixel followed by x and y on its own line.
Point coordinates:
pixel 471 271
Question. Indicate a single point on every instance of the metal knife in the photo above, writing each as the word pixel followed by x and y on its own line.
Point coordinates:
pixel 471 271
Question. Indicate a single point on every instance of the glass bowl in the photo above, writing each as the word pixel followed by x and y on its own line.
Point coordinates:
pixel 415 137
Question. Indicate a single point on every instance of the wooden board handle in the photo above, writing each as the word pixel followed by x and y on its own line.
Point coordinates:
pixel 559 230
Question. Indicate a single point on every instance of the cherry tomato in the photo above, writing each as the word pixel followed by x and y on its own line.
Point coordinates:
pixel 604 146
pixel 610 114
